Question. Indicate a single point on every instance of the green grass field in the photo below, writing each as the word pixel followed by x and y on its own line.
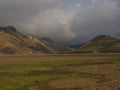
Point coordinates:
pixel 60 72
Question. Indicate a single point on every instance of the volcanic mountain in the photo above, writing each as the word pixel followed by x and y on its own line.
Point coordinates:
pixel 14 42
pixel 100 44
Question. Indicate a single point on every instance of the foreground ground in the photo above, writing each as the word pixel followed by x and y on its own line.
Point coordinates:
pixel 60 72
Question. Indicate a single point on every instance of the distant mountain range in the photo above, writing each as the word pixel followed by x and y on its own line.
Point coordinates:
pixel 14 42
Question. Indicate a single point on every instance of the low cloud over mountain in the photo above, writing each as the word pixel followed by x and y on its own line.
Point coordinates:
pixel 69 21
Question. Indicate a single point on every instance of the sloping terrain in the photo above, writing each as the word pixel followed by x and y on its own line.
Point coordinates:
pixel 101 44
pixel 13 42
pixel 59 48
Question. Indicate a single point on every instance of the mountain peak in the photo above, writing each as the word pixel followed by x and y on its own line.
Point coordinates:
pixel 13 42
pixel 102 37
pixel 8 29
pixel 101 44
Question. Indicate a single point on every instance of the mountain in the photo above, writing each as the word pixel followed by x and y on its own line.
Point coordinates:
pixel 14 42
pixel 100 44
pixel 75 46
pixel 58 48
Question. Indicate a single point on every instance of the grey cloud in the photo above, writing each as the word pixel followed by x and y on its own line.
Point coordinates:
pixel 15 11
pixel 70 21
pixel 101 17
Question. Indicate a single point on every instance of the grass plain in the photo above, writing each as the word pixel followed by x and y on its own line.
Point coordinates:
pixel 60 72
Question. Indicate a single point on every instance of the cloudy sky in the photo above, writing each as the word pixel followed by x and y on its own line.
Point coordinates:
pixel 66 21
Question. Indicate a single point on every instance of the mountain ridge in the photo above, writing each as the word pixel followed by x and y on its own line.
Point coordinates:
pixel 101 44
pixel 13 42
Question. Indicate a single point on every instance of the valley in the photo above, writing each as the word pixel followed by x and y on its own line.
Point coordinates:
pixel 60 72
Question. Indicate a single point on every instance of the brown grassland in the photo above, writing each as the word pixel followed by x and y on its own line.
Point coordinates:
pixel 60 72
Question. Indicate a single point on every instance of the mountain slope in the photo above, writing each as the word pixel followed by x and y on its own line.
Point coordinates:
pixel 101 44
pixel 13 42
pixel 59 48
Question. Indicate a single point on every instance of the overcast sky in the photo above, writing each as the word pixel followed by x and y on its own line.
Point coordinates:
pixel 66 21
